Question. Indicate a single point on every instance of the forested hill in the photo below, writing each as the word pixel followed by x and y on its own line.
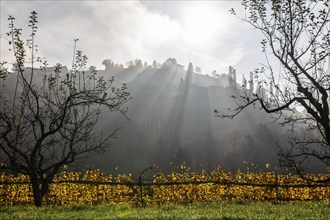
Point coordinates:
pixel 171 119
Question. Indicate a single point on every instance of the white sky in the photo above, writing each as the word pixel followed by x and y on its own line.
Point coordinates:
pixel 201 32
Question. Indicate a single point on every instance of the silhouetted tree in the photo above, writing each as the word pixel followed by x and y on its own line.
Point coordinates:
pixel 183 155
pixel 198 69
pixel 170 61
pixel 214 73
pixel 297 33
pixel 211 154
pixel 130 64
pixel 138 63
pixel 92 68
pixel 46 125
pixel 154 64
pixel 109 65
pixel 189 76
pixel 190 68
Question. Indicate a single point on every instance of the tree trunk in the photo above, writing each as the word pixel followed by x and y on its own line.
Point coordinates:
pixel 40 188
pixel 37 196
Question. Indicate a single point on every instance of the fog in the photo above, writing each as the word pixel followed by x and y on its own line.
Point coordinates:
pixel 171 120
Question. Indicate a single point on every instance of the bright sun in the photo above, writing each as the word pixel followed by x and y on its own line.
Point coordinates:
pixel 201 24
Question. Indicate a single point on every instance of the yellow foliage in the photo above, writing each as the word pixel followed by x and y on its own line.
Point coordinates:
pixel 195 188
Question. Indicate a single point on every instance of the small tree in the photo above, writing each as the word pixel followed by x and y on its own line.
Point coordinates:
pixel 297 32
pixel 50 120
pixel 198 69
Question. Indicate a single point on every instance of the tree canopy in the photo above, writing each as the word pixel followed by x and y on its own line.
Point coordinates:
pixel 49 118
pixel 297 34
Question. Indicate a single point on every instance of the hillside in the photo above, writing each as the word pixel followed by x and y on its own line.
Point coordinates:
pixel 171 119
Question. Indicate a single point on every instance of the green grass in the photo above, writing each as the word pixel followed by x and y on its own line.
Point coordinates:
pixel 214 211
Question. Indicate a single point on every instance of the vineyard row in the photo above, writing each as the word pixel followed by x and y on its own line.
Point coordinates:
pixel 183 187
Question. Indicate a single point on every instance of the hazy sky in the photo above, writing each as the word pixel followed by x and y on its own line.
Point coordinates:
pixel 201 32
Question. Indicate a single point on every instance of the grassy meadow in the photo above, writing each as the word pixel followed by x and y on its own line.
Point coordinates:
pixel 210 211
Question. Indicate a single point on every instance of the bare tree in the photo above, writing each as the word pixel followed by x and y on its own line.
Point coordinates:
pixel 50 120
pixel 297 35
